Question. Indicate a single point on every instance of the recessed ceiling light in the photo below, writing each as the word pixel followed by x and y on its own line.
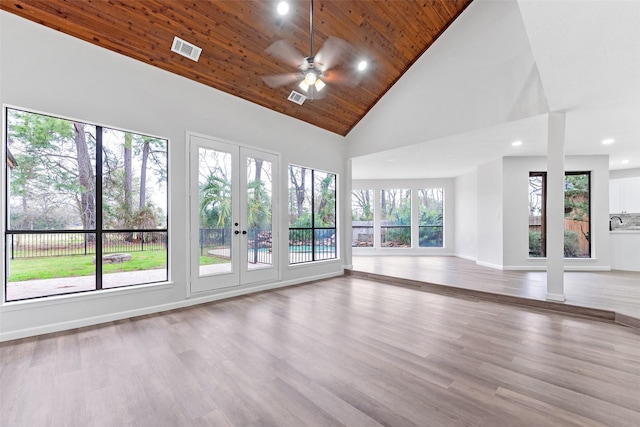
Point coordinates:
pixel 625 161
pixel 362 65
pixel 516 143
pixel 608 141
pixel 283 8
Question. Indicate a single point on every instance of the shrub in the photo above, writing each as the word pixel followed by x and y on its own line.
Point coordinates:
pixel 571 244
pixel 535 243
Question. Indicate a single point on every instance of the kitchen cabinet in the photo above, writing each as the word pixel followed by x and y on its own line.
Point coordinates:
pixel 624 195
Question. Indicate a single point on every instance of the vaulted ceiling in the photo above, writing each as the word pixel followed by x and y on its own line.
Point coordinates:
pixel 233 35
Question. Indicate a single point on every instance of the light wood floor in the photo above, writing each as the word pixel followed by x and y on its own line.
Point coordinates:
pixel 618 291
pixel 344 351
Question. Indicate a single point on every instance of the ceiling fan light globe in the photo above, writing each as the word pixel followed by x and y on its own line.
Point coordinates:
pixel 319 84
pixel 310 78
pixel 283 8
pixel 304 86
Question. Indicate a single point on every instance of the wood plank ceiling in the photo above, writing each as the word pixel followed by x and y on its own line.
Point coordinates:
pixel 234 35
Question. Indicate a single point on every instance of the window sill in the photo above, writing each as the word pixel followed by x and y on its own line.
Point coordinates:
pixel 80 297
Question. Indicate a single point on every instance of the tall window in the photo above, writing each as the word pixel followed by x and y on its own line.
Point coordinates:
pixel 312 215
pixel 86 207
pixel 431 201
pixel 395 218
pixel 577 214
pixel 362 218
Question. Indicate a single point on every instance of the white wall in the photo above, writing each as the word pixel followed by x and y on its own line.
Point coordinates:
pixel 624 173
pixel 516 213
pixel 414 185
pixel 479 73
pixel 466 216
pixel 490 214
pixel 46 71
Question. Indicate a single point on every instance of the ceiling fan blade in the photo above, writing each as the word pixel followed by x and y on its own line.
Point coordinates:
pixel 334 51
pixel 342 77
pixel 278 80
pixel 285 51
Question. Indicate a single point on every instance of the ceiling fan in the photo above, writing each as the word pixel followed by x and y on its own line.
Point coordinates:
pixel 315 70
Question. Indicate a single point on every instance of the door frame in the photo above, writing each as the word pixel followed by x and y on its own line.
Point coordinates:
pixel 240 274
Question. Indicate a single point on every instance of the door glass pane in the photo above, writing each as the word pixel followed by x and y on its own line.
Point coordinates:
pixel 259 209
pixel 215 210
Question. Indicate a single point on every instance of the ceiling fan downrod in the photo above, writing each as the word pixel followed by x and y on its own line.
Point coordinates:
pixel 311 30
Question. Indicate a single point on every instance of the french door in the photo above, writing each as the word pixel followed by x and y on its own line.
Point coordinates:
pixel 233 214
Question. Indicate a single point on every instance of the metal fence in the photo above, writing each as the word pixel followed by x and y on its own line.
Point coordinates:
pixel 218 242
pixel 305 244
pixel 64 243
pixel 214 238
pixel 309 244
pixel 395 236
pixel 362 235
pixel 259 242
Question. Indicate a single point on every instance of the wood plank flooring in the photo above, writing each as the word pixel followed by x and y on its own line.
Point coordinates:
pixel 618 291
pixel 343 351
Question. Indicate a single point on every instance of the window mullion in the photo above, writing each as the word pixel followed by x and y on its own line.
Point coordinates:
pixel 98 208
pixel 313 215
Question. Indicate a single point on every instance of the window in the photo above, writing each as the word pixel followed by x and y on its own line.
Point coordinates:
pixel 312 215
pixel 86 207
pixel 395 218
pixel 362 218
pixel 431 202
pixel 577 214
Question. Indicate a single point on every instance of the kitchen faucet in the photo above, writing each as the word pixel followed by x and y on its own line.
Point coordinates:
pixel 611 219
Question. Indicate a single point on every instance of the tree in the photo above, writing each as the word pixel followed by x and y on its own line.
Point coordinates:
pixel 361 205
pixel 297 177
pixel 54 172
pixel 128 178
pixel 325 204
pixel 259 205
pixel 215 201
pixel 86 179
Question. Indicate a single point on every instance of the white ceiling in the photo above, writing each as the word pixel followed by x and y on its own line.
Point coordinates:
pixel 586 57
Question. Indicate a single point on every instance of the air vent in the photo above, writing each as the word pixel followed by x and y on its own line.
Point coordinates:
pixel 297 97
pixel 186 49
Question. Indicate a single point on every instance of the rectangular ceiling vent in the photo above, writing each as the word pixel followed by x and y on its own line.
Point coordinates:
pixel 297 97
pixel 187 49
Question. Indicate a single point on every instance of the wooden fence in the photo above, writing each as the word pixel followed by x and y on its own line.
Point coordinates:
pixel 572 225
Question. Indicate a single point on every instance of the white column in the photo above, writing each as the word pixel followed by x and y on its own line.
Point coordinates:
pixel 555 207
pixel 346 226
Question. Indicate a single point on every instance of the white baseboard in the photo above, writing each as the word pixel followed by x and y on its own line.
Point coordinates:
pixel 487 264
pixel 566 268
pixel 194 300
pixel 467 257
pixel 401 252
pixel 555 297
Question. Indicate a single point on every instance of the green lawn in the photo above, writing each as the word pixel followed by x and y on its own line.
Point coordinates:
pixel 82 265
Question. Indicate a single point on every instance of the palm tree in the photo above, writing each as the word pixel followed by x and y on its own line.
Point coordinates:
pixel 215 201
